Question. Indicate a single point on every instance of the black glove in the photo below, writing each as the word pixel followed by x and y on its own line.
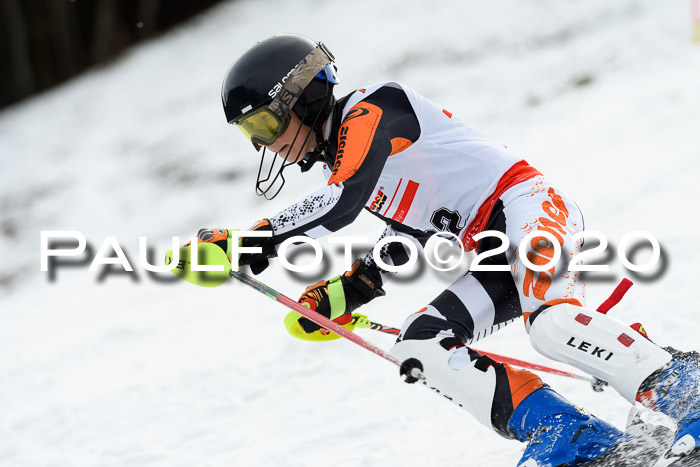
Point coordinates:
pixel 258 262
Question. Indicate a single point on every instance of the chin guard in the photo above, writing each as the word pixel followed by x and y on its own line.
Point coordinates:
pixel 309 160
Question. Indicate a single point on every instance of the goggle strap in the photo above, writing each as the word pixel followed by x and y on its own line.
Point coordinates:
pixel 302 75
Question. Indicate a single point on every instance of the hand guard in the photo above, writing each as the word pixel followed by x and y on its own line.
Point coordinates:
pixel 338 297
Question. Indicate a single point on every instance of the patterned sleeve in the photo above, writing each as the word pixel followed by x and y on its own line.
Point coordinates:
pixel 306 217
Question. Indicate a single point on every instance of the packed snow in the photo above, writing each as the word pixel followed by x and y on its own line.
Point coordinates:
pixel 133 369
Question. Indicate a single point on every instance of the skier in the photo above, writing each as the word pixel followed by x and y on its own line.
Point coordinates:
pixel 413 164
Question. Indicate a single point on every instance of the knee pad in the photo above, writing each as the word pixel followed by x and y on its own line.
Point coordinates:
pixel 598 345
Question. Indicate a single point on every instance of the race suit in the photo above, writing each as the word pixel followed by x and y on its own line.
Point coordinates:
pixel 421 170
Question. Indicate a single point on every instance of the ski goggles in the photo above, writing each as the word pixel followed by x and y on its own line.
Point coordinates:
pixel 262 126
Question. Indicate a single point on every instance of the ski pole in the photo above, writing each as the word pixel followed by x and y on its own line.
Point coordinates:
pixel 535 366
pixel 411 369
pixel 363 322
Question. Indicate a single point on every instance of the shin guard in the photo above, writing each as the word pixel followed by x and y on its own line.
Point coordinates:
pixel 488 390
pixel 598 345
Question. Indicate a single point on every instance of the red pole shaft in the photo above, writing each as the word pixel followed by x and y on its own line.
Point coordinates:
pixel 341 331
pixel 315 317
pixel 499 358
pixel 534 366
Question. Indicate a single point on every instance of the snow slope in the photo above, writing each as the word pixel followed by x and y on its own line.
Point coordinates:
pixel 129 370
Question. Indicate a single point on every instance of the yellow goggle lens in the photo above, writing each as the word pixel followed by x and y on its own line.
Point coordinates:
pixel 260 126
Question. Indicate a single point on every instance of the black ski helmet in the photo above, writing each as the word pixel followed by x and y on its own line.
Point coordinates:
pixel 256 77
pixel 281 74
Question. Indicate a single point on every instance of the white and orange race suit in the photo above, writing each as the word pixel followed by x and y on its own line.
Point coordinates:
pixel 422 171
